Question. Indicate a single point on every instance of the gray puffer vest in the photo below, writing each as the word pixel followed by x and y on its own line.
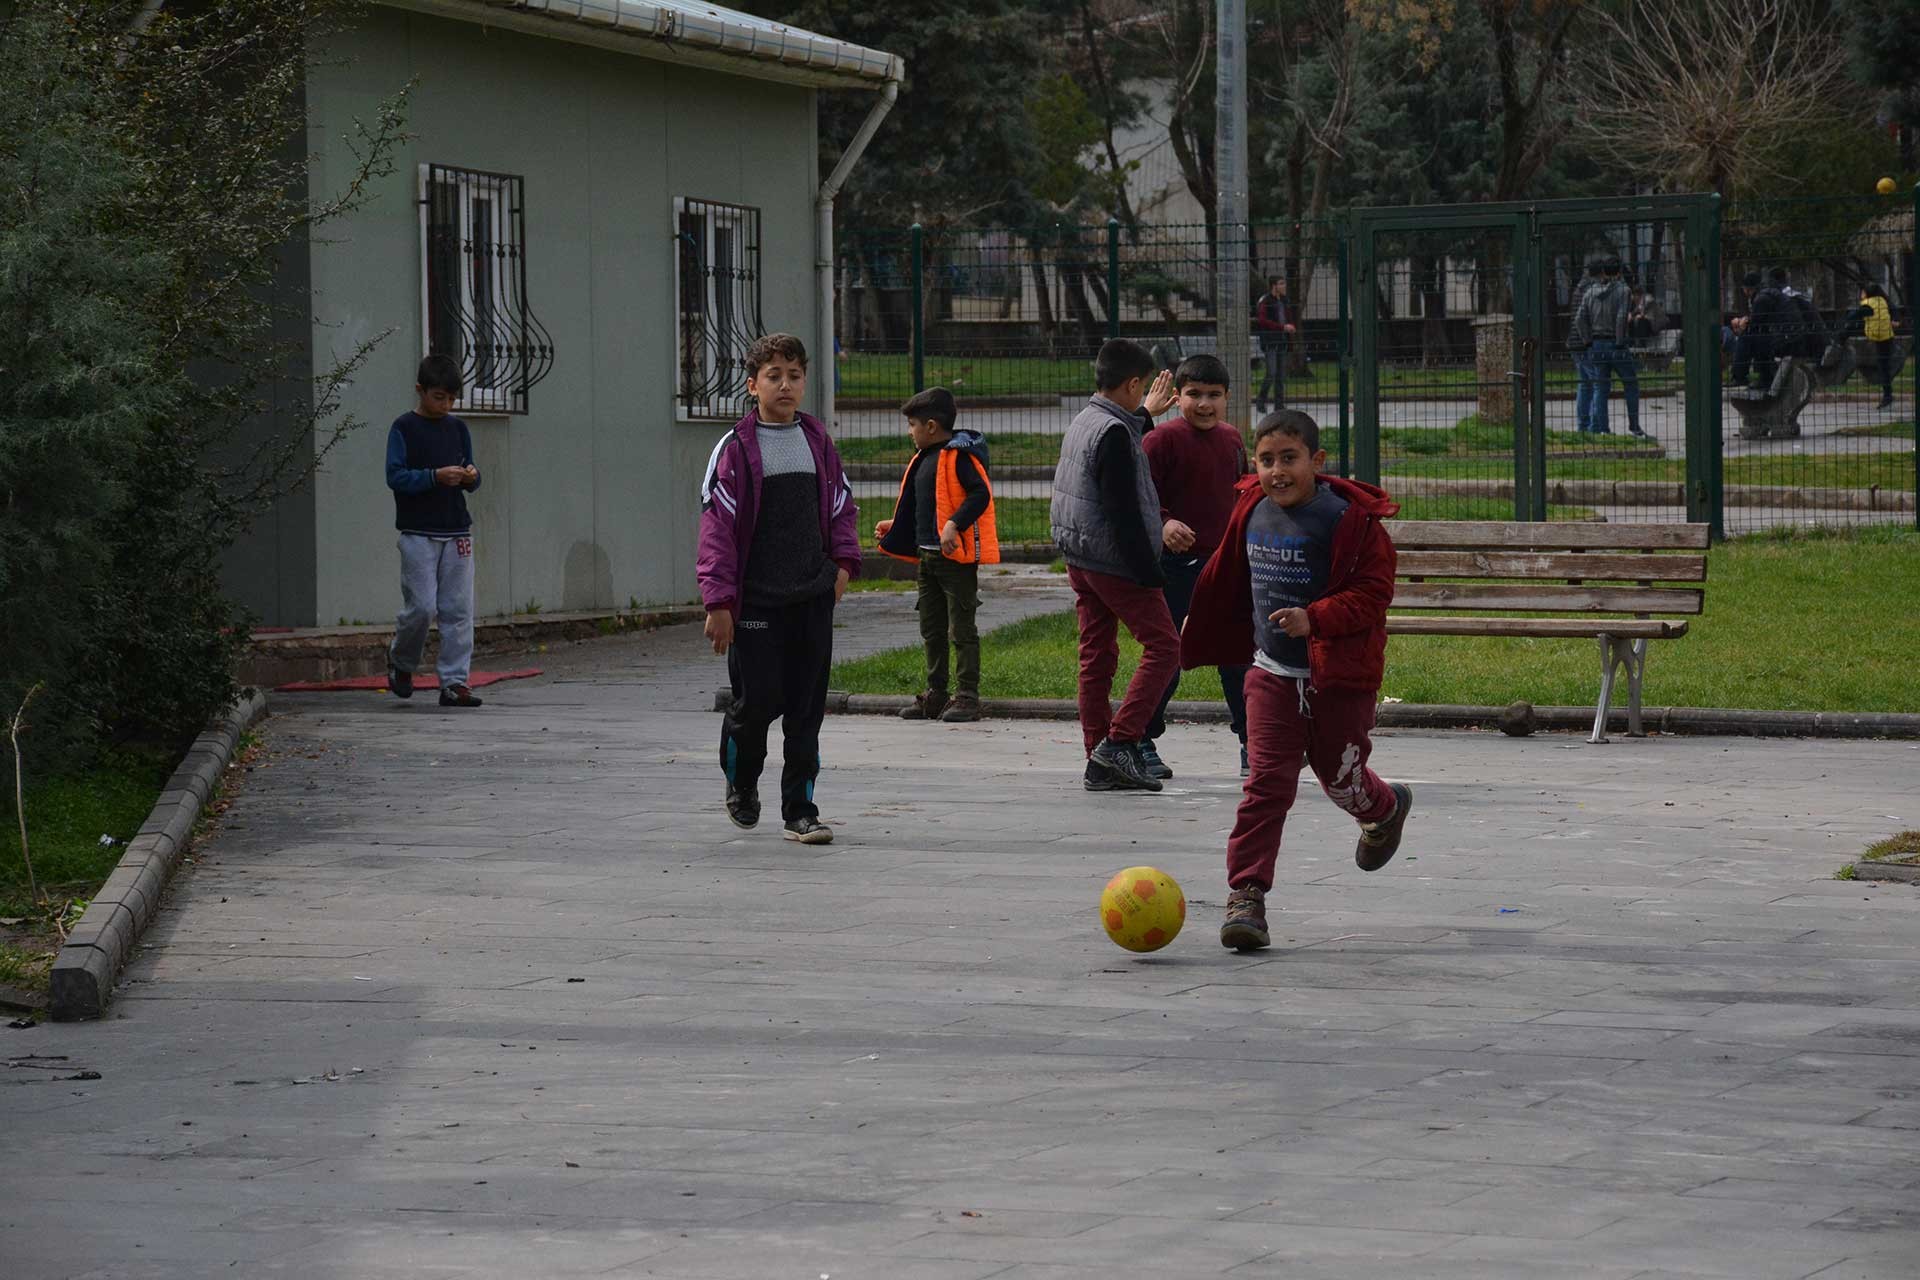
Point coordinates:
pixel 1082 528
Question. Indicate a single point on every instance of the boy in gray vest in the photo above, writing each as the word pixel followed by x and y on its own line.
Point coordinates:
pixel 1106 522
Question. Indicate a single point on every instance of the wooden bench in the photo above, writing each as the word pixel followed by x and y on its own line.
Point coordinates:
pixel 1653 574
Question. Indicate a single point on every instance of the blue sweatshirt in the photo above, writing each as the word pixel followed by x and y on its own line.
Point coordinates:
pixel 416 448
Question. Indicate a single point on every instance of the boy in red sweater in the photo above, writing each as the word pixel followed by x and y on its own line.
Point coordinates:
pixel 1300 585
pixel 1196 460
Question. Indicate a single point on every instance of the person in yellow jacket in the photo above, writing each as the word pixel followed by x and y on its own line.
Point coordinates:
pixel 1873 320
pixel 943 520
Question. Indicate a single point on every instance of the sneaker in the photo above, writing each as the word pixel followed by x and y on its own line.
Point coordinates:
pixel 399 683
pixel 1638 432
pixel 1885 404
pixel 1123 762
pixel 1100 778
pixel 964 709
pixel 1245 926
pixel 926 706
pixel 1243 759
pixel 458 695
pixel 743 806
pixel 1379 841
pixel 808 831
pixel 1151 758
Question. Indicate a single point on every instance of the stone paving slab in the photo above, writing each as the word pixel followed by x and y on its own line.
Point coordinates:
pixel 503 994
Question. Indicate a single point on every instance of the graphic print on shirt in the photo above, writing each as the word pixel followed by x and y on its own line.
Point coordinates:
pixel 1289 556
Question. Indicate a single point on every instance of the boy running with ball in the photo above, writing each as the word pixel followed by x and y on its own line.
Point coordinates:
pixel 1299 587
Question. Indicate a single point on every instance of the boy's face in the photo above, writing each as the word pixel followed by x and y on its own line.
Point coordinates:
pixel 926 433
pixel 434 402
pixel 1286 469
pixel 779 385
pixel 1202 403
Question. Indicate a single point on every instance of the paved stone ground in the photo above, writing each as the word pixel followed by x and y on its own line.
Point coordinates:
pixel 502 994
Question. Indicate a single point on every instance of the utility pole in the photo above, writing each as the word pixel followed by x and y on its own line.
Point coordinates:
pixel 1232 234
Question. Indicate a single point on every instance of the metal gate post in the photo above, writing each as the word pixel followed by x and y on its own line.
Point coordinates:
pixel 919 310
pixel 1366 347
pixel 1343 338
pixel 1113 277
pixel 1700 339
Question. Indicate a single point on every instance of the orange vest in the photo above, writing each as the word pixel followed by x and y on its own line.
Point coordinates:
pixel 980 541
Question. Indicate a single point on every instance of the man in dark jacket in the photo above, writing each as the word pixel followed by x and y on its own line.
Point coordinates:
pixel 1756 343
pixel 1273 321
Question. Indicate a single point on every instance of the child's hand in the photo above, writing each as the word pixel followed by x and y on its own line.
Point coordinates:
pixel 719 629
pixel 451 477
pixel 470 475
pixel 881 529
pixel 840 581
pixel 1292 621
pixel 1177 536
pixel 949 539
pixel 1160 395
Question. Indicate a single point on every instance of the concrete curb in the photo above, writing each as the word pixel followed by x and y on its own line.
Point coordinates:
pixel 1406 715
pixel 1898 872
pixel 83 975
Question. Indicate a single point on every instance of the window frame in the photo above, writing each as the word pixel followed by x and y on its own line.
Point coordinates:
pixel 709 381
pixel 498 374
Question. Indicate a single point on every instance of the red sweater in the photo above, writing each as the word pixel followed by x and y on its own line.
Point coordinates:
pixel 1195 472
pixel 1348 646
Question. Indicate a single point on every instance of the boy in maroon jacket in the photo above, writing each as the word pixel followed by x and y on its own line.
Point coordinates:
pixel 1300 585
pixel 1196 460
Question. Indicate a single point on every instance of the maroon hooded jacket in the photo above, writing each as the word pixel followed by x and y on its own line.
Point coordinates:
pixel 1348 646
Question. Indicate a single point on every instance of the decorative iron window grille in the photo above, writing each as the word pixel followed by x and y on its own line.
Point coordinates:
pixel 474 288
pixel 717 296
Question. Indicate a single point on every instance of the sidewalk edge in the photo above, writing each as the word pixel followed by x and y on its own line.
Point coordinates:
pixel 81 982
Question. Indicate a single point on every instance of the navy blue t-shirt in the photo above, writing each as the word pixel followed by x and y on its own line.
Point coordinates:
pixel 1289 553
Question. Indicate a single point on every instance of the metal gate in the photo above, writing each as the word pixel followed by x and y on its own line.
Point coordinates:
pixel 1469 403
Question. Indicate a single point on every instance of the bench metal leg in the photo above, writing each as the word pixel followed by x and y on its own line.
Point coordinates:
pixel 1617 652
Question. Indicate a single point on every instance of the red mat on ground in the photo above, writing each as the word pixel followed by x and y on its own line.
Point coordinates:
pixel 423 680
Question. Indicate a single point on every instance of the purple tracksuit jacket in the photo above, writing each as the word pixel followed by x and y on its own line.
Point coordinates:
pixel 730 504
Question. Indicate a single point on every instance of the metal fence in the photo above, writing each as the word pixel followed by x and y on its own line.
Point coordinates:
pixel 1009 320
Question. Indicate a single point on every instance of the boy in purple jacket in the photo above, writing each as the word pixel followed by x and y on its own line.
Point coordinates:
pixel 779 539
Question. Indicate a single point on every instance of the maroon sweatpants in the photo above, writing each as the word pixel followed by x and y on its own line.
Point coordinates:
pixel 1104 601
pixel 1327 728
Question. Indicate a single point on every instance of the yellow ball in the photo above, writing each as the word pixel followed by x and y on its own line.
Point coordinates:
pixel 1885 186
pixel 1142 909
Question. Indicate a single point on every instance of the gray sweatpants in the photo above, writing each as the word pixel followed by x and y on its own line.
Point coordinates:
pixel 436 584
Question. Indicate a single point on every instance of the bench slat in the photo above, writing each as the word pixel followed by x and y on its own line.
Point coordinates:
pixel 1530 597
pixel 1547 535
pixel 1573 628
pixel 1545 565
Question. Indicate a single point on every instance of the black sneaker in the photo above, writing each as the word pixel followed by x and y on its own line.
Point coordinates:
pixel 925 706
pixel 743 806
pixel 808 831
pixel 458 695
pixel 1245 926
pixel 1151 758
pixel 1100 778
pixel 399 683
pixel 1379 841
pixel 1123 763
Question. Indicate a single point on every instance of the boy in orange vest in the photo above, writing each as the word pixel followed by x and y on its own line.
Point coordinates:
pixel 944 522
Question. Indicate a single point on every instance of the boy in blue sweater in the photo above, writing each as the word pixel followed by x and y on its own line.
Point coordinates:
pixel 430 470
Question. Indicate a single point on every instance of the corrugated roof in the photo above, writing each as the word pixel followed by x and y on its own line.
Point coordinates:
pixel 685 31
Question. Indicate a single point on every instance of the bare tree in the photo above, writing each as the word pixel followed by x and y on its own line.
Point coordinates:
pixel 1709 94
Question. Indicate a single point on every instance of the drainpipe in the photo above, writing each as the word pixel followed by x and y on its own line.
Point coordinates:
pixel 823 243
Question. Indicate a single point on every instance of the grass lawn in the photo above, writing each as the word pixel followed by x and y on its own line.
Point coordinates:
pixel 66 818
pixel 1846 644
pixel 1885 470
pixel 1027 519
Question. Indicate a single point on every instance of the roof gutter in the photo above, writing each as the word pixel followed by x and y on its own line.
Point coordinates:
pixel 708 39
pixel 823 235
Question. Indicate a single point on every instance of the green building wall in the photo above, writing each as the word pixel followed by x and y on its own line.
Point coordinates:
pixel 591 498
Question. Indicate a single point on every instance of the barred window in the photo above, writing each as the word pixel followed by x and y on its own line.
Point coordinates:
pixel 717 293
pixel 474 285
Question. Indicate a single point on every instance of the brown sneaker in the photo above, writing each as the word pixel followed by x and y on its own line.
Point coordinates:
pixel 964 709
pixel 458 695
pixel 1379 841
pixel 926 706
pixel 1245 926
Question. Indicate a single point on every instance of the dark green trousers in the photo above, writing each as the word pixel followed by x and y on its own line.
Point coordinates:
pixel 949 594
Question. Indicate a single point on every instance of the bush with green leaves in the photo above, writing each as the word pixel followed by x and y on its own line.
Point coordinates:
pixel 152 176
